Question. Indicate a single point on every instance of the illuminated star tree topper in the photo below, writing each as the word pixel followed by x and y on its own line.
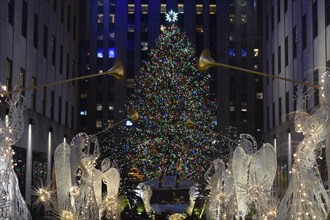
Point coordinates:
pixel 171 16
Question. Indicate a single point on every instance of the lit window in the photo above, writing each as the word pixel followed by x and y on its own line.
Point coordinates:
pixel 256 66
pixel 144 8
pixel 232 108
pixel 213 9
pixel 112 18
pixel 180 8
pixel 111 108
pixel 259 95
pixel 231 18
pixel 243 18
pixel 100 37
pixel 243 52
pixel 100 18
pixel 231 36
pixel 84 112
pixel 232 52
pixel 131 8
pixel 83 96
pixel 163 8
pixel 98 107
pixel 100 2
pixel 244 120
pixel 199 9
pixel 98 124
pixel 199 28
pixel 244 110
pixel 144 45
pixel 130 28
pixel 112 53
pixel 112 35
pixel 256 52
pixel 100 53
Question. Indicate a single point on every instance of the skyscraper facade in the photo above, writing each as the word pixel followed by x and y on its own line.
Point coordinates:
pixel 127 29
pixel 38 45
pixel 296 46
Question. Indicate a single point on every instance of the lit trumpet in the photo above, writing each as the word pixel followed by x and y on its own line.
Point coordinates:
pixel 205 61
pixel 133 115
pixel 117 71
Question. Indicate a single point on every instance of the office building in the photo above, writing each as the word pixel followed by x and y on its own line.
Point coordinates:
pixel 38 45
pixel 296 46
pixel 127 30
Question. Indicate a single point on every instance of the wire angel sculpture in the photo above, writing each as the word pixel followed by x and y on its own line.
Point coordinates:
pixel 12 204
pixel 221 185
pixel 79 183
pixel 306 196
pixel 254 173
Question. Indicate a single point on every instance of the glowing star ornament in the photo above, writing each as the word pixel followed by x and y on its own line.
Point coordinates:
pixel 171 16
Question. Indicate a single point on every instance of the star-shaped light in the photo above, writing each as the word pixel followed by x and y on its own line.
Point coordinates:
pixel 171 16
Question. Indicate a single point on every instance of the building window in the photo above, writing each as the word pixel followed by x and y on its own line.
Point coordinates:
pixel 162 8
pixel 35 31
pixel 327 13
pixel 112 52
pixel 22 80
pixel 272 19
pixel 83 112
pixel 131 8
pixel 69 19
pixel 144 45
pixel 287 105
pixel 243 18
pixel 280 110
pixel 53 50
pixel 98 124
pixel 267 27
pixel 24 18
pixel 100 18
pixel 213 9
pixel 316 91
pixel 279 59
pixel 268 120
pixel 243 52
pixel 66 113
pixel 33 94
pixel 44 100
pixel 60 109
pixel 199 28
pixel 294 41
pixel 273 64
pixel 112 18
pixel 304 31
pixel 99 107
pixel 9 66
pixel 315 20
pixel 232 52
pixel 45 41
pixel 232 18
pixel 278 11
pixel 286 55
pixel 61 59
pixel 11 8
pixel 144 8
pixel 52 104
pixel 256 52
pixel 199 9
pixel 259 95
pixel 273 114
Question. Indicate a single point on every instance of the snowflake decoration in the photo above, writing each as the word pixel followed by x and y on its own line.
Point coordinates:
pixel 171 16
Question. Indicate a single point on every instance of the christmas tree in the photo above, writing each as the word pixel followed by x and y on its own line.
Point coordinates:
pixel 168 91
